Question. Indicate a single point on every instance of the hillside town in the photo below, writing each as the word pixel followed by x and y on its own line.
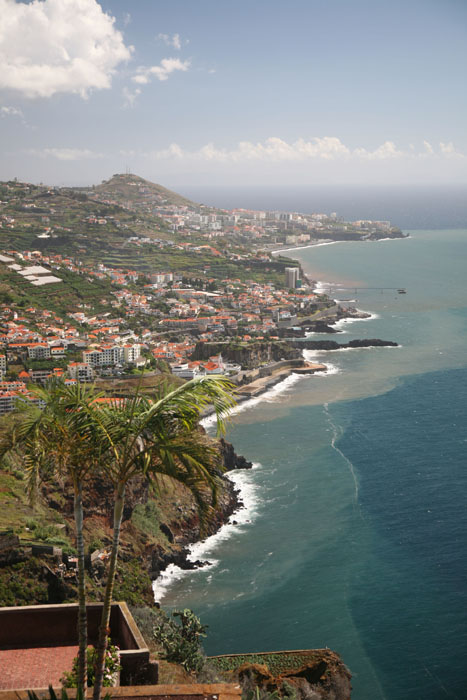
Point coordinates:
pixel 38 344
pixel 106 282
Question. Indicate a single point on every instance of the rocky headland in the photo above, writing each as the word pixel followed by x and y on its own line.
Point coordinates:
pixel 333 345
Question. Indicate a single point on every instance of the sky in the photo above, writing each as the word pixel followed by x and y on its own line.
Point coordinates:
pixel 244 92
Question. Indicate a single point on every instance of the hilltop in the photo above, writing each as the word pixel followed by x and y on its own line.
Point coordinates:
pixel 133 191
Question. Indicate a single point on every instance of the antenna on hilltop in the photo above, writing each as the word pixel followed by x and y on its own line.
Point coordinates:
pixel 127 170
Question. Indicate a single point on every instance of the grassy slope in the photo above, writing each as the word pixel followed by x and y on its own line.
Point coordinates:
pixel 49 521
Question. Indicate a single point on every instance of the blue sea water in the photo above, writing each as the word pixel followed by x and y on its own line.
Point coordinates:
pixel 354 536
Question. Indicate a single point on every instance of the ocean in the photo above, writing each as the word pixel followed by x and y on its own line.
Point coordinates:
pixel 353 535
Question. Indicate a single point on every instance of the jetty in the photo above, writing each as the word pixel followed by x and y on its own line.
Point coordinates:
pixel 262 384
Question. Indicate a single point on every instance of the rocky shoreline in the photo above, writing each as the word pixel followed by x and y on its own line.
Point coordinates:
pixel 229 502
pixel 333 345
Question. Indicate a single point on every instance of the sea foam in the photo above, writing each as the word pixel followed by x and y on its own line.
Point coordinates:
pixel 269 396
pixel 246 514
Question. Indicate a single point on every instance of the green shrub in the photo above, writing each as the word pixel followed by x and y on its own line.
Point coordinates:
pixel 46 533
pixel 63 695
pixel 146 518
pixel 133 583
pixel 95 544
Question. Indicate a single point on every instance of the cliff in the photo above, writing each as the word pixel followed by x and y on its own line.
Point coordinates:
pixel 333 345
pixel 156 531
pixel 249 355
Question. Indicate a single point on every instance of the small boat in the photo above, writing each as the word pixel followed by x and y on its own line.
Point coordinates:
pixel 401 291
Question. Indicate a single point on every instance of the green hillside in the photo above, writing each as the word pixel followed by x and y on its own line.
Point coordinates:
pixel 135 189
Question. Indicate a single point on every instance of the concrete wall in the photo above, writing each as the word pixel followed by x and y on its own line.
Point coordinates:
pixel 42 625
pixel 56 625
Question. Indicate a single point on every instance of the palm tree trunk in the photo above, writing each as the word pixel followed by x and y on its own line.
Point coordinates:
pixel 82 619
pixel 104 626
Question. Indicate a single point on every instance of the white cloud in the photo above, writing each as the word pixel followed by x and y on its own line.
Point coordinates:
pixel 174 41
pixel 161 72
pixel 126 19
pixel 387 150
pixel 328 148
pixel 130 97
pixel 66 153
pixel 448 150
pixel 428 148
pixel 140 78
pixel 6 111
pixel 173 151
pixel 53 46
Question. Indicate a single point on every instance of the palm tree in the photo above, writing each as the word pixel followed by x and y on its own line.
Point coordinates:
pixel 158 438
pixel 54 436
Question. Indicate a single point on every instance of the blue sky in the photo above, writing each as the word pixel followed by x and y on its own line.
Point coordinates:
pixel 191 92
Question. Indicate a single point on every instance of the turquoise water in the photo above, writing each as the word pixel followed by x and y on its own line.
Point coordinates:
pixel 354 536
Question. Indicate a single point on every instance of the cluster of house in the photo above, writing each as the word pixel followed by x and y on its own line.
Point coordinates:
pixel 47 347
pixel 39 344
pixel 177 355
pixel 251 306
pixel 107 347
pixel 96 361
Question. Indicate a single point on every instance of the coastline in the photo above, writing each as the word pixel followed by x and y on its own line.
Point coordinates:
pixel 319 242
pixel 256 391
pixel 251 394
pixel 372 428
pixel 193 555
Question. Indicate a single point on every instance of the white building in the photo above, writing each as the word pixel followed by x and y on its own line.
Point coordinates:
pixel 292 275
pixel 111 355
pixel 184 371
pixel 104 356
pixel 131 353
pixel 81 371
pixel 39 351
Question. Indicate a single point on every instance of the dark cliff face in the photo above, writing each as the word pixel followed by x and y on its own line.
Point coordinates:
pixel 231 459
pixel 187 527
pixel 248 356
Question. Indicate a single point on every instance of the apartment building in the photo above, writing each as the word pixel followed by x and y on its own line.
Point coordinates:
pixel 81 371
